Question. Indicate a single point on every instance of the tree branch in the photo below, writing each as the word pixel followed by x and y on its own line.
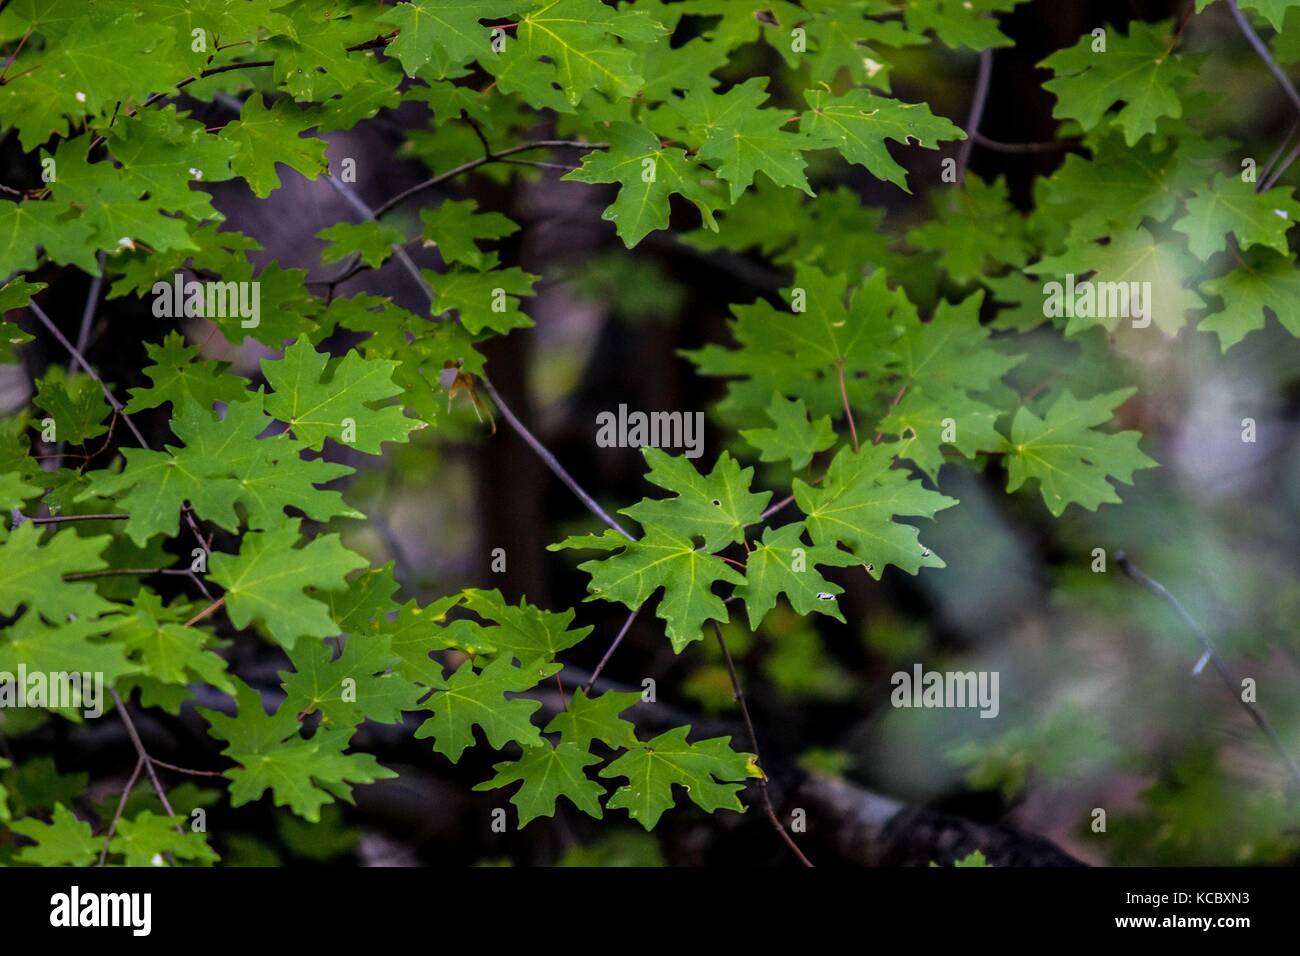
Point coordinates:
pixel 763 796
pixel 121 806
pixel 56 519
pixel 1211 656
pixel 144 756
pixel 978 102
pixel 1051 146
pixel 1262 51
pixel 618 639
pixel 487 158
pixel 550 460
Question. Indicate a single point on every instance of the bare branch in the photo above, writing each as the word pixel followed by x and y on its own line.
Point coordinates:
pixel 618 639
pixel 551 461
pixel 121 806
pixel 978 102
pixel 763 795
pixel 1211 656
pixel 144 756
pixel 1262 52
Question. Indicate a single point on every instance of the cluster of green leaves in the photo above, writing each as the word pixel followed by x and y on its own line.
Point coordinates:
pixel 886 356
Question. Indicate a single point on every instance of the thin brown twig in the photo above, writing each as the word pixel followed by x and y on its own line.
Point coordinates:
pixel 144 756
pixel 475 163
pixel 848 410
pixel 210 609
pixel 609 652
pixel 115 572
pixel 1048 146
pixel 121 808
pixel 188 770
pixel 550 460
pixel 764 798
pixel 56 519
pixel 978 102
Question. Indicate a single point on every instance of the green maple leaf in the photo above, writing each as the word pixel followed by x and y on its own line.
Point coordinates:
pixel 76 405
pixel 455 226
pixel 73 647
pixel 856 504
pixel 859 123
pixel 14 491
pixel 739 138
pixel 961 23
pixel 740 22
pixel 596 718
pixel 166 650
pixel 445 33
pixel 478 698
pixel 316 407
pixel 710 771
pixel 363 608
pixel 944 364
pixel 716 507
pixel 32 569
pixel 1230 205
pixel 1130 257
pixel 220 252
pixel 148 839
pixel 301 774
pixel 523 631
pixel 667 68
pixel 1069 458
pixel 782 563
pixel 648 173
pixel 661 559
pixel 106 56
pixel 1117 188
pixel 357 685
pixel 973 225
pixel 795 438
pixel 264 137
pixel 574 36
pixel 532 78
pixel 417 631
pixel 1141 70
pixel 267 580
pixel 1265 283
pixel 833 328
pixel 223 462
pixel 313 62
pixel 64 841
pixel 923 426
pixel 160 153
pixel 952 352
pixel 274 477
pixel 29 226
pixel 372 241
pixel 482 300
pixel 842 39
pixel 548 773
pixel 15 294
pixel 178 378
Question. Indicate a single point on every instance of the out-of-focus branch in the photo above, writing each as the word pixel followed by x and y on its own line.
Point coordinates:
pixel 1211 656
pixel 1261 50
